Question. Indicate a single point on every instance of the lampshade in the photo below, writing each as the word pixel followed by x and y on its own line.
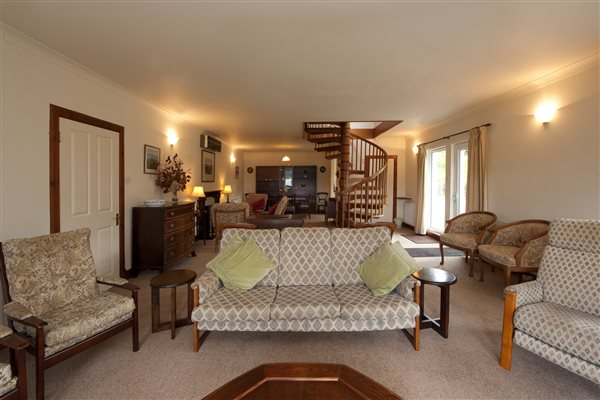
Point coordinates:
pixel 198 192
pixel 227 189
pixel 285 159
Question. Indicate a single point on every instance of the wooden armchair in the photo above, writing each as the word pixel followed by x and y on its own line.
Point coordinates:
pixel 53 301
pixel 465 232
pixel 13 376
pixel 515 247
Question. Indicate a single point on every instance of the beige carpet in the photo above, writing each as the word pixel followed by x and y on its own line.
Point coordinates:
pixel 464 366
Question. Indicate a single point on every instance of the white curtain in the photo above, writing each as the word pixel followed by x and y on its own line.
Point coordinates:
pixel 421 222
pixel 476 180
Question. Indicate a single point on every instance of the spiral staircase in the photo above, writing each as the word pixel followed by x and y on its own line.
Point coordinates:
pixel 362 166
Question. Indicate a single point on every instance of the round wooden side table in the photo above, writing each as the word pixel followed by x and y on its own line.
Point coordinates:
pixel 170 280
pixel 442 279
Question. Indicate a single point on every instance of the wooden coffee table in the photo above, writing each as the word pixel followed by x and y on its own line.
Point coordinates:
pixel 302 381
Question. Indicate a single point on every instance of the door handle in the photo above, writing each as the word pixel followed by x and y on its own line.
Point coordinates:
pixel 117 219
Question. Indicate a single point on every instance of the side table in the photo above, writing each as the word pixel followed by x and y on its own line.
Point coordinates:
pixel 442 279
pixel 170 280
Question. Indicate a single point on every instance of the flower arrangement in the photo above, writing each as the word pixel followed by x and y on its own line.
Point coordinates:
pixel 172 177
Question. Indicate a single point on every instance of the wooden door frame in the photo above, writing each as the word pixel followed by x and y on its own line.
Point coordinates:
pixel 57 112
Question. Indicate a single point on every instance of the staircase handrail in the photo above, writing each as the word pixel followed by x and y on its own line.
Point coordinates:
pixel 371 177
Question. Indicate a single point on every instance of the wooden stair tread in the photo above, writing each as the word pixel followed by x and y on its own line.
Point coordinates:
pixel 322 140
pixel 337 147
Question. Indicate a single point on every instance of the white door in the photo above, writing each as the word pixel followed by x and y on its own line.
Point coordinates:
pixel 89 189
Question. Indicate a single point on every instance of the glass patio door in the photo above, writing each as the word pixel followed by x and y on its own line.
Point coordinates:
pixel 437 189
pixel 459 197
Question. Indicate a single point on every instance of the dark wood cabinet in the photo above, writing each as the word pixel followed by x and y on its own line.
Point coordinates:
pixel 162 235
pixel 298 181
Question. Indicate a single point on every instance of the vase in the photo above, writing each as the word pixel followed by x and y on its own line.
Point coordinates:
pixel 174 198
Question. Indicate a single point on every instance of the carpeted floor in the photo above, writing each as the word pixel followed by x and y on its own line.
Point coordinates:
pixel 464 366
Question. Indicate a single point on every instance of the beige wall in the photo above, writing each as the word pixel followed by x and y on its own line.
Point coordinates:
pixel 535 170
pixel 271 158
pixel 33 78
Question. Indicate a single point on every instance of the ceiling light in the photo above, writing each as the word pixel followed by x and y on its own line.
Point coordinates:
pixel 285 159
pixel 545 112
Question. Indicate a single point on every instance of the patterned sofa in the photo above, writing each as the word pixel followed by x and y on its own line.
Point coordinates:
pixel 557 316
pixel 314 287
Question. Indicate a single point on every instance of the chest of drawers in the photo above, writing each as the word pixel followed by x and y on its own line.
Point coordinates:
pixel 162 235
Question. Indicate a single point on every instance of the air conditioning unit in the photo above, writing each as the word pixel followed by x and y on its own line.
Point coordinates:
pixel 210 143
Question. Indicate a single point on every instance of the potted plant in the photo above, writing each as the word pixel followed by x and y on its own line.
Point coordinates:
pixel 172 177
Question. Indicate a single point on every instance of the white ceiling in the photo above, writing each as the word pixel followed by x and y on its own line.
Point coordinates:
pixel 252 72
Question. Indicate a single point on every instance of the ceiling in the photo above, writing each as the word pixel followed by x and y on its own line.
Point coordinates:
pixel 252 72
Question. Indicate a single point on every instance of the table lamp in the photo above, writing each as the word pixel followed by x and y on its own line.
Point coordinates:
pixel 227 190
pixel 199 193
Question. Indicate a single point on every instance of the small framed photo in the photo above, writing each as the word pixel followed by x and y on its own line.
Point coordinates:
pixel 208 166
pixel 237 172
pixel 151 159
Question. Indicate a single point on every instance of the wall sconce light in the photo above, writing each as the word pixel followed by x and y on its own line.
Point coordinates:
pixel 232 158
pixel 545 112
pixel 227 190
pixel 172 137
pixel 415 148
pixel 285 159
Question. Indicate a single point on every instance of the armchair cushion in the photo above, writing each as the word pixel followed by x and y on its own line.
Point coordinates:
pixel 5 331
pixel 504 255
pixel 82 319
pixel 471 223
pixel 575 332
pixel 305 302
pixel 465 240
pixel 7 382
pixel 358 303
pixel 57 269
pixel 527 293
pixel 17 310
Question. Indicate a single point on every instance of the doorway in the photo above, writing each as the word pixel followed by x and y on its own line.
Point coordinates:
pixel 87 184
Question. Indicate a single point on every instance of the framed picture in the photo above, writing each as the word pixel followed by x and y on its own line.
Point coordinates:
pixel 237 172
pixel 208 166
pixel 151 159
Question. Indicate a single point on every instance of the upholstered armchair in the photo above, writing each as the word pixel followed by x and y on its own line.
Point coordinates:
pixel 515 247
pixel 253 198
pixel 52 298
pixel 557 316
pixel 225 214
pixel 13 376
pixel 465 232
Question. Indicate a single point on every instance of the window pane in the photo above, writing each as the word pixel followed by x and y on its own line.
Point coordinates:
pixel 463 159
pixel 437 219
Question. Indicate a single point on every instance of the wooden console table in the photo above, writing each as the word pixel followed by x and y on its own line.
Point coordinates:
pixel 302 381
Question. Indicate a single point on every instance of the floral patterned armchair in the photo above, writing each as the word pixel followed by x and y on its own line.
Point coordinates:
pixel 227 214
pixel 515 247
pixel 557 316
pixel 465 232
pixel 52 298
pixel 13 377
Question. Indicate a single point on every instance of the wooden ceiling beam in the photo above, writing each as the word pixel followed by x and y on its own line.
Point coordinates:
pixel 384 127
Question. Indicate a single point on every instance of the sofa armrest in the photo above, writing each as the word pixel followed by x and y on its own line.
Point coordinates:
pixel 207 284
pixel 406 287
pixel 526 293
pixel 531 253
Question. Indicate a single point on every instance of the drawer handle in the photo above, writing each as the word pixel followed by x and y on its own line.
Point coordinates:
pixel 172 238
pixel 172 225
pixel 172 253
pixel 172 213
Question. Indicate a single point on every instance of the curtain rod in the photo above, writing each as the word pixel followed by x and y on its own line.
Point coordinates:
pixel 454 134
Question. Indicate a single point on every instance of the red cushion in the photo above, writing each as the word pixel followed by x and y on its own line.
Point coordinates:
pixel 258 205
pixel 272 209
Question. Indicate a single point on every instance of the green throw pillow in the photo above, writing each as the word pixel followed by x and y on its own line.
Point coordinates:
pixel 405 257
pixel 241 265
pixel 383 270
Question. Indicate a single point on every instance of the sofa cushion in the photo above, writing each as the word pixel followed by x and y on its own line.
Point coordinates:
pixel 82 319
pixel 58 268
pixel 7 381
pixel 230 305
pixel 503 255
pixel 464 240
pixel 574 332
pixel 383 270
pixel 267 240
pixel 305 257
pixel 358 303
pixel 350 247
pixel 305 302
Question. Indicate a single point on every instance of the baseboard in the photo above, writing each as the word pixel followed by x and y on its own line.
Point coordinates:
pixel 409 226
